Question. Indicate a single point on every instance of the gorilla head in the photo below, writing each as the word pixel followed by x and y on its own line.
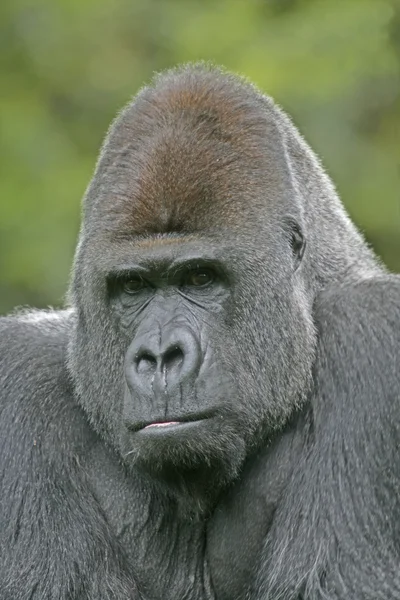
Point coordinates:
pixel 193 285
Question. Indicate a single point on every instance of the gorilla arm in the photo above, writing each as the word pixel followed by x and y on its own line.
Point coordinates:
pixel 54 542
pixel 336 531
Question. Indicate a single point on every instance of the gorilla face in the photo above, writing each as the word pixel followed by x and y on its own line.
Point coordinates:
pixel 193 339
pixel 172 300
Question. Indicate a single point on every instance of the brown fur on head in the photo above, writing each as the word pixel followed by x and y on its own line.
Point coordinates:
pixel 193 151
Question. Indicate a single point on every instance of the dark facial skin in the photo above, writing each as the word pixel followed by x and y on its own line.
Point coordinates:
pixel 171 303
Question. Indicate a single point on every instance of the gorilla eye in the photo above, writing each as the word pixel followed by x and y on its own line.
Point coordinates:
pixel 200 278
pixel 132 285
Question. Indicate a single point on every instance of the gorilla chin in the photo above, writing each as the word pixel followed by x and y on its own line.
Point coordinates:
pixel 195 456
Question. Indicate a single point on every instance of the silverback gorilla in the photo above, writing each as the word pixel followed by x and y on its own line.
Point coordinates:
pixel 216 416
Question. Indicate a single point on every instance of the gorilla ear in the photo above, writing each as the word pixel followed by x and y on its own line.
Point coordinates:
pixel 297 242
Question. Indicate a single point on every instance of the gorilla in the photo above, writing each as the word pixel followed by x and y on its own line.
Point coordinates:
pixel 215 415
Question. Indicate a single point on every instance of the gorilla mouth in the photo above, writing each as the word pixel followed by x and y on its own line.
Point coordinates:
pixel 178 423
pixel 171 427
pixel 166 424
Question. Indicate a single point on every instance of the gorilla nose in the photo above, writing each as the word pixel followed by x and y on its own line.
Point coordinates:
pixel 171 359
pixel 155 365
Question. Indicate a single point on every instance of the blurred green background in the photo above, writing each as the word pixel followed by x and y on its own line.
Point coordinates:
pixel 67 66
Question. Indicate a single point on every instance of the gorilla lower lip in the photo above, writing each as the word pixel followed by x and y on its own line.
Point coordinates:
pixel 169 426
pixel 166 424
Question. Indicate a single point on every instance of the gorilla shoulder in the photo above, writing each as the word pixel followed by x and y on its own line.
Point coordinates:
pixel 367 308
pixel 33 374
pixel 32 348
pixel 359 344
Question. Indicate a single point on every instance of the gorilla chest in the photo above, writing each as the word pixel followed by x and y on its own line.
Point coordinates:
pixel 165 552
pixel 171 555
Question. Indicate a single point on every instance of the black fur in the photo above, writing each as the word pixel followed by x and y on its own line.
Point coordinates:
pixel 287 486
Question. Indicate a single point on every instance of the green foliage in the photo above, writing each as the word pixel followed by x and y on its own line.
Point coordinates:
pixel 69 65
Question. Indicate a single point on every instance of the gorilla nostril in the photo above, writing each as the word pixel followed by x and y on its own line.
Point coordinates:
pixel 145 362
pixel 173 358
